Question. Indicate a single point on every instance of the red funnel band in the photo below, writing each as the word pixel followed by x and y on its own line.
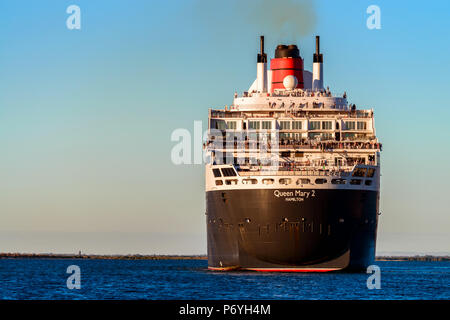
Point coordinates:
pixel 282 67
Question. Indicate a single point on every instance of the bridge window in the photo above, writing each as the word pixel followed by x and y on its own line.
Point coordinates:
pixel 219 182
pixel 321 181
pixel 231 182
pixel 368 182
pixel 216 173
pixel 228 172
pixel 370 172
pixel 355 181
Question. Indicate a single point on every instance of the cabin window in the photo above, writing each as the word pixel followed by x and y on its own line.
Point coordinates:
pixel 285 154
pixel 219 124
pixel 314 135
pixel 228 172
pixel 266 125
pixel 349 136
pixel 326 125
pixel 314 125
pixel 231 125
pixel 355 181
pixel 370 172
pixel 321 181
pixel 349 125
pixel 219 182
pixel 362 125
pixel 216 173
pixel 285 125
pixel 368 182
pixel 296 125
pixel 359 172
pixel 298 154
pixel 231 182
pixel 253 125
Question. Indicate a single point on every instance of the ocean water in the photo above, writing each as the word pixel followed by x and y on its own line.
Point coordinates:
pixel 190 279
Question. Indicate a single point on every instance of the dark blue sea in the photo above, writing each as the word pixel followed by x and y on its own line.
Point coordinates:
pixel 190 279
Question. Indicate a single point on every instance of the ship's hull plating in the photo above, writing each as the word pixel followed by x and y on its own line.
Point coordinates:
pixel 291 229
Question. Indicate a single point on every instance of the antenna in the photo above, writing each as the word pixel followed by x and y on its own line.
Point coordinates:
pixel 262 45
pixel 317 80
pixel 262 57
pixel 317 45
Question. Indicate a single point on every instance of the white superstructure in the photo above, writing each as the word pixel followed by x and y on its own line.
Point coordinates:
pixel 292 138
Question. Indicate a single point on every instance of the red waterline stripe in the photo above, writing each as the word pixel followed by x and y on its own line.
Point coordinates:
pixel 292 270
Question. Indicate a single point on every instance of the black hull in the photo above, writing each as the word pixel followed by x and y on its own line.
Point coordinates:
pixel 327 230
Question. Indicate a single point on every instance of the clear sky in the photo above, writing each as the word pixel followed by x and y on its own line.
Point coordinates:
pixel 86 115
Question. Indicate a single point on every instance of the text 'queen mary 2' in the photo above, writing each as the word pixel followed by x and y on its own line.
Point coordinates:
pixel 293 177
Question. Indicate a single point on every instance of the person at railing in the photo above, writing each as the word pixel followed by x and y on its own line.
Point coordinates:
pixel 301 143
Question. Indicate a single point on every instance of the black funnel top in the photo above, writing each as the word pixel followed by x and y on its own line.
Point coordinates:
pixel 290 51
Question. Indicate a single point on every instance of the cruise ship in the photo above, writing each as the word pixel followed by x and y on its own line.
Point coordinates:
pixel 292 174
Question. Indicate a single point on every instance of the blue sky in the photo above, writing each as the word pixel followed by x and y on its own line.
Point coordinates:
pixel 86 115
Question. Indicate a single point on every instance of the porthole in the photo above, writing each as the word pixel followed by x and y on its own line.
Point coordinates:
pixel 285 181
pixel 303 181
pixel 268 181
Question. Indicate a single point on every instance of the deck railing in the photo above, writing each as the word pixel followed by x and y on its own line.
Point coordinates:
pixel 308 172
pixel 323 146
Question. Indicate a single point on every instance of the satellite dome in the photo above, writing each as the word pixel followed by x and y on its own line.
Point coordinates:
pixel 290 82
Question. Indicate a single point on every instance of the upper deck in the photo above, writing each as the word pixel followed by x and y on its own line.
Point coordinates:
pixel 288 115
pixel 320 100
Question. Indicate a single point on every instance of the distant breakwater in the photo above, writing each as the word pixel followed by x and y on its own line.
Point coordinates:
pixel 179 257
pixel 99 256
